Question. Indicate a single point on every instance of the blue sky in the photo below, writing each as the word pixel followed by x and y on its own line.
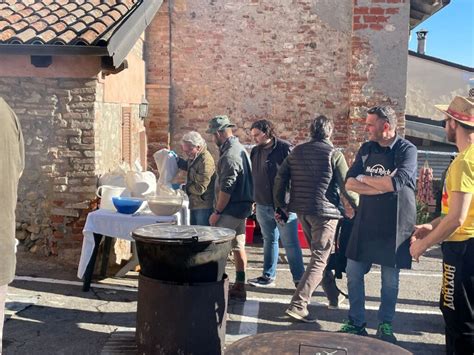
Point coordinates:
pixel 451 33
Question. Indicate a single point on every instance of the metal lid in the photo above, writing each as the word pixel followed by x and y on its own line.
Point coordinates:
pixel 159 233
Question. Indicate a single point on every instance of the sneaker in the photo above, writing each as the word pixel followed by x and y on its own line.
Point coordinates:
pixel 385 332
pixel 238 292
pixel 262 281
pixel 299 314
pixel 349 328
pixel 337 303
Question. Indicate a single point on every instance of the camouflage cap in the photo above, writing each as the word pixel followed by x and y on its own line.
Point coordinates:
pixel 219 123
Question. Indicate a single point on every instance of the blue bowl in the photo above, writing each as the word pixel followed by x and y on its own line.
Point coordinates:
pixel 126 205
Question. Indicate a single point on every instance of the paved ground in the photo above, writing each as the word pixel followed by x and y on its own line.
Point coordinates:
pixel 49 314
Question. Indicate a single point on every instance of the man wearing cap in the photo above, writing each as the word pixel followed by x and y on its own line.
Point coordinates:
pixel 11 166
pixel 234 190
pixel 455 229
pixel 384 175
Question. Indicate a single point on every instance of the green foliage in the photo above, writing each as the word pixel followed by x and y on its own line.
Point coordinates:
pixel 422 213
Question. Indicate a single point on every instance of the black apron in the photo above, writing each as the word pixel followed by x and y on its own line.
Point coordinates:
pixel 385 222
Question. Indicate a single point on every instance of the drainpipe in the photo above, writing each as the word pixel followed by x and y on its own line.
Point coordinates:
pixel 170 100
pixel 421 35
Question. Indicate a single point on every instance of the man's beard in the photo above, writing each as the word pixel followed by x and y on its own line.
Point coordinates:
pixel 451 135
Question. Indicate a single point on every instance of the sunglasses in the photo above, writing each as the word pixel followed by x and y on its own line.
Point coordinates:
pixel 445 122
pixel 380 111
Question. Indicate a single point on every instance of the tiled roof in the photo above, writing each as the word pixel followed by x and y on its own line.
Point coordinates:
pixel 61 22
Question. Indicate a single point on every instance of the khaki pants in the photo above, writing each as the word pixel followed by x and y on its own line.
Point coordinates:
pixel 237 224
pixel 320 233
pixel 3 296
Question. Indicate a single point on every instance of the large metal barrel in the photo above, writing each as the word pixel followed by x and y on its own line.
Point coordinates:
pixel 310 342
pixel 183 253
pixel 181 318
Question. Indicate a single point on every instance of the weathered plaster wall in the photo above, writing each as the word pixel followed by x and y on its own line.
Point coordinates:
pixel 430 83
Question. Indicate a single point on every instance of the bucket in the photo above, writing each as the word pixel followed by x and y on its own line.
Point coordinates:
pixel 105 193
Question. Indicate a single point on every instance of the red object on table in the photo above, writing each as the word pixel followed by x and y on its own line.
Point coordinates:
pixel 249 230
pixel 301 238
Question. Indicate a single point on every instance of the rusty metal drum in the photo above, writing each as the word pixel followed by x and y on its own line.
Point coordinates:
pixel 309 342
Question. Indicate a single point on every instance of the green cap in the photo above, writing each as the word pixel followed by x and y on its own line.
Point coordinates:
pixel 219 123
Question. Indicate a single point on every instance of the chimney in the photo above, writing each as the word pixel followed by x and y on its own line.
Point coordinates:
pixel 421 35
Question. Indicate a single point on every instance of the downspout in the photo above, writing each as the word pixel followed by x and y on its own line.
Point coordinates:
pixel 170 90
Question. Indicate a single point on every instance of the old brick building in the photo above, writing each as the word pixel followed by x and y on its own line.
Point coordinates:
pixel 62 69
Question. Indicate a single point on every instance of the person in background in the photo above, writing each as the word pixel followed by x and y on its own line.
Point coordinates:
pixel 384 175
pixel 234 190
pixel 266 157
pixel 12 162
pixel 315 172
pixel 455 229
pixel 200 177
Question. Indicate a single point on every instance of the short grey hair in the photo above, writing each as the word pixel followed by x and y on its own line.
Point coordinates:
pixel 194 138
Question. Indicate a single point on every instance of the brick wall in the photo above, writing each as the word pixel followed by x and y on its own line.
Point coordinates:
pixel 285 61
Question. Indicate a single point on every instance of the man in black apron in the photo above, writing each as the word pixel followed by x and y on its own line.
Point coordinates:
pixel 383 173
pixel 455 228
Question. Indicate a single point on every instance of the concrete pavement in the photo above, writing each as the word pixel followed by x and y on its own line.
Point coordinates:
pixel 51 315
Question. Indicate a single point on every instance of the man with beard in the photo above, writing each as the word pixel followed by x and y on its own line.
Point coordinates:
pixel 233 200
pixel 12 162
pixel 267 156
pixel 455 229
pixel 383 174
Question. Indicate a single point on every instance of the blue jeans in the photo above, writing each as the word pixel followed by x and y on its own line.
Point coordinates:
pixel 200 217
pixel 271 231
pixel 356 271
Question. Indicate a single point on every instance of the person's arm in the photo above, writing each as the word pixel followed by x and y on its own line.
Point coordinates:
pixel 355 170
pixel 202 179
pixel 458 210
pixel 280 186
pixel 340 169
pixel 405 169
pixel 229 172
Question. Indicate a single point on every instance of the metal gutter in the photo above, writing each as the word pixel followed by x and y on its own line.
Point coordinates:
pixel 123 40
pixel 117 48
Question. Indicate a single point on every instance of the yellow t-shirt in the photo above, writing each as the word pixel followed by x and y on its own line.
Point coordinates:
pixel 460 178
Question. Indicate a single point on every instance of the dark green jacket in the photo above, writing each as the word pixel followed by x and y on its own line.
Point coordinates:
pixel 200 180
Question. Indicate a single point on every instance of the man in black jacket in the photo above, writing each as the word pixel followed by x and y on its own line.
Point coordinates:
pixel 266 157
pixel 383 173
pixel 317 172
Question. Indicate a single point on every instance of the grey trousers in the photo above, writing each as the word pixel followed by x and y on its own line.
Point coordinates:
pixel 320 233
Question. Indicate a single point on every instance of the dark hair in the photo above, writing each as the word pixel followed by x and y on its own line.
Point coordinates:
pixel 466 126
pixel 321 128
pixel 385 113
pixel 265 126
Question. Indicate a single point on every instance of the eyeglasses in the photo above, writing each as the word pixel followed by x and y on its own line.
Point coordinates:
pixel 380 111
pixel 445 122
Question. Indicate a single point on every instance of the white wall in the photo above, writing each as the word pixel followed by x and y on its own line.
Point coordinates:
pixel 430 83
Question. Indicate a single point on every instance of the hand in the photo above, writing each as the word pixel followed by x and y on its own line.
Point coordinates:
pixel 421 231
pixel 213 219
pixel 278 216
pixel 417 249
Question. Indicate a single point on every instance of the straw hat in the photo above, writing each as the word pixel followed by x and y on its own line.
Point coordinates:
pixel 460 109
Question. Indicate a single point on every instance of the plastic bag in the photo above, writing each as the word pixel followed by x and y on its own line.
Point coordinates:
pixel 140 183
pixel 166 162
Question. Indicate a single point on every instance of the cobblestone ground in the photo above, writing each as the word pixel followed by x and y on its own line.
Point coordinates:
pixel 49 314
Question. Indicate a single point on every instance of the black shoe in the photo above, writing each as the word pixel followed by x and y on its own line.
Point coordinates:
pixel 262 281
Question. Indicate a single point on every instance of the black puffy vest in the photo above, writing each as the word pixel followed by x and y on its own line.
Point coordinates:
pixel 313 190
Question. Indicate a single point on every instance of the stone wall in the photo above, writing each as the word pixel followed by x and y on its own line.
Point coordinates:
pixel 277 59
pixel 58 185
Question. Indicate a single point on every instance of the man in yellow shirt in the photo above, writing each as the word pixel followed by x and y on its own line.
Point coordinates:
pixel 455 228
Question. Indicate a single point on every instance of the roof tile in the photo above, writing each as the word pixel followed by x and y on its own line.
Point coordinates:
pixel 60 21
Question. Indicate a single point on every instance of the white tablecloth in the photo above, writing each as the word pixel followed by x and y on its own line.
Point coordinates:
pixel 117 225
